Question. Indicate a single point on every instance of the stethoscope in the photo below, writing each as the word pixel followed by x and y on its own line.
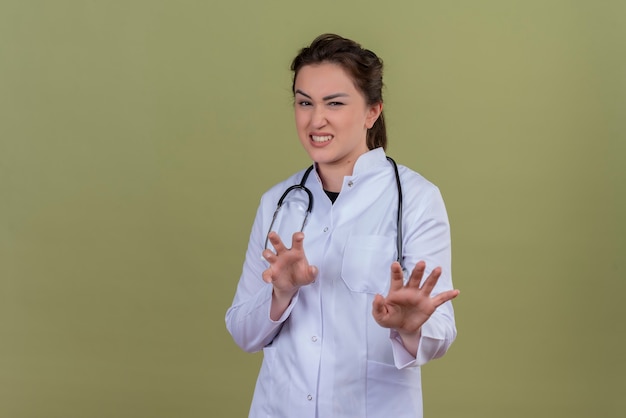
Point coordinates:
pixel 309 208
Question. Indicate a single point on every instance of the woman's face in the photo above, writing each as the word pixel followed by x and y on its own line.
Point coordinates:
pixel 332 116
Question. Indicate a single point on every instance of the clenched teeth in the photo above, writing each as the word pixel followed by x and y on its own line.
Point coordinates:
pixel 324 138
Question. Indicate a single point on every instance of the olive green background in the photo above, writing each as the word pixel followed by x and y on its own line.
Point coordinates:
pixel 137 136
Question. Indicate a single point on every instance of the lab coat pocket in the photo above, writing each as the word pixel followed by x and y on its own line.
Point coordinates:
pixel 367 262
pixel 393 392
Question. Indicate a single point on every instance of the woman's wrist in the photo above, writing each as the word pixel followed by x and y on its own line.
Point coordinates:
pixel 280 302
pixel 409 335
pixel 410 340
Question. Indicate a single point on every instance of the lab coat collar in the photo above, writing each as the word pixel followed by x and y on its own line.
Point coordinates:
pixel 366 162
pixel 371 159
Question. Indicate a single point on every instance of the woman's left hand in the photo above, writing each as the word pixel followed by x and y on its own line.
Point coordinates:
pixel 407 307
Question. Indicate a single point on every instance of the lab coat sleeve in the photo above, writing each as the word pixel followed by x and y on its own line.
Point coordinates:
pixel 427 238
pixel 248 318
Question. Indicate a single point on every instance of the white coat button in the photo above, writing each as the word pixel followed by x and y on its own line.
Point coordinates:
pixel 314 338
pixel 309 397
pixel 326 229
pixel 350 183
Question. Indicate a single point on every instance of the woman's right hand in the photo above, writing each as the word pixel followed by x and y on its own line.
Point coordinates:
pixel 288 271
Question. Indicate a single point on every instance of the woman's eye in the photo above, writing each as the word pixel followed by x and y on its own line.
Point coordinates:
pixel 335 104
pixel 304 103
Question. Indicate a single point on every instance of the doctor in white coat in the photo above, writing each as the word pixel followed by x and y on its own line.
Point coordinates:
pixel 349 300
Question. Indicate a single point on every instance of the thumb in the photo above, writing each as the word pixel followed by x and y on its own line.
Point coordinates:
pixel 313 271
pixel 267 275
pixel 378 306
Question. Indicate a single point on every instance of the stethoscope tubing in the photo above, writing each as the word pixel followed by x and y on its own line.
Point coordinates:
pixel 301 186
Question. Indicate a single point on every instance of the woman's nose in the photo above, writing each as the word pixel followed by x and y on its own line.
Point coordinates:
pixel 319 117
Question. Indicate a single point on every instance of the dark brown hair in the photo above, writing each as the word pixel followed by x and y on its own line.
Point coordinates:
pixel 364 67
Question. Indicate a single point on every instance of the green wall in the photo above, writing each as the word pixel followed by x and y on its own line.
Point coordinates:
pixel 137 136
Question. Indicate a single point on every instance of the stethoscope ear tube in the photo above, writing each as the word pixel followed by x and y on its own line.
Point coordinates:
pixel 399 217
pixel 299 187
pixel 309 208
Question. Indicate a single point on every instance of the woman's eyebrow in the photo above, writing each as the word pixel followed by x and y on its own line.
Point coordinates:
pixel 329 97
pixel 303 93
pixel 334 96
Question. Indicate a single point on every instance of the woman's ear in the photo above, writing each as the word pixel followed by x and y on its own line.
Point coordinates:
pixel 373 112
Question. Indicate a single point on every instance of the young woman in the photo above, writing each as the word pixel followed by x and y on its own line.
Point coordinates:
pixel 346 302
